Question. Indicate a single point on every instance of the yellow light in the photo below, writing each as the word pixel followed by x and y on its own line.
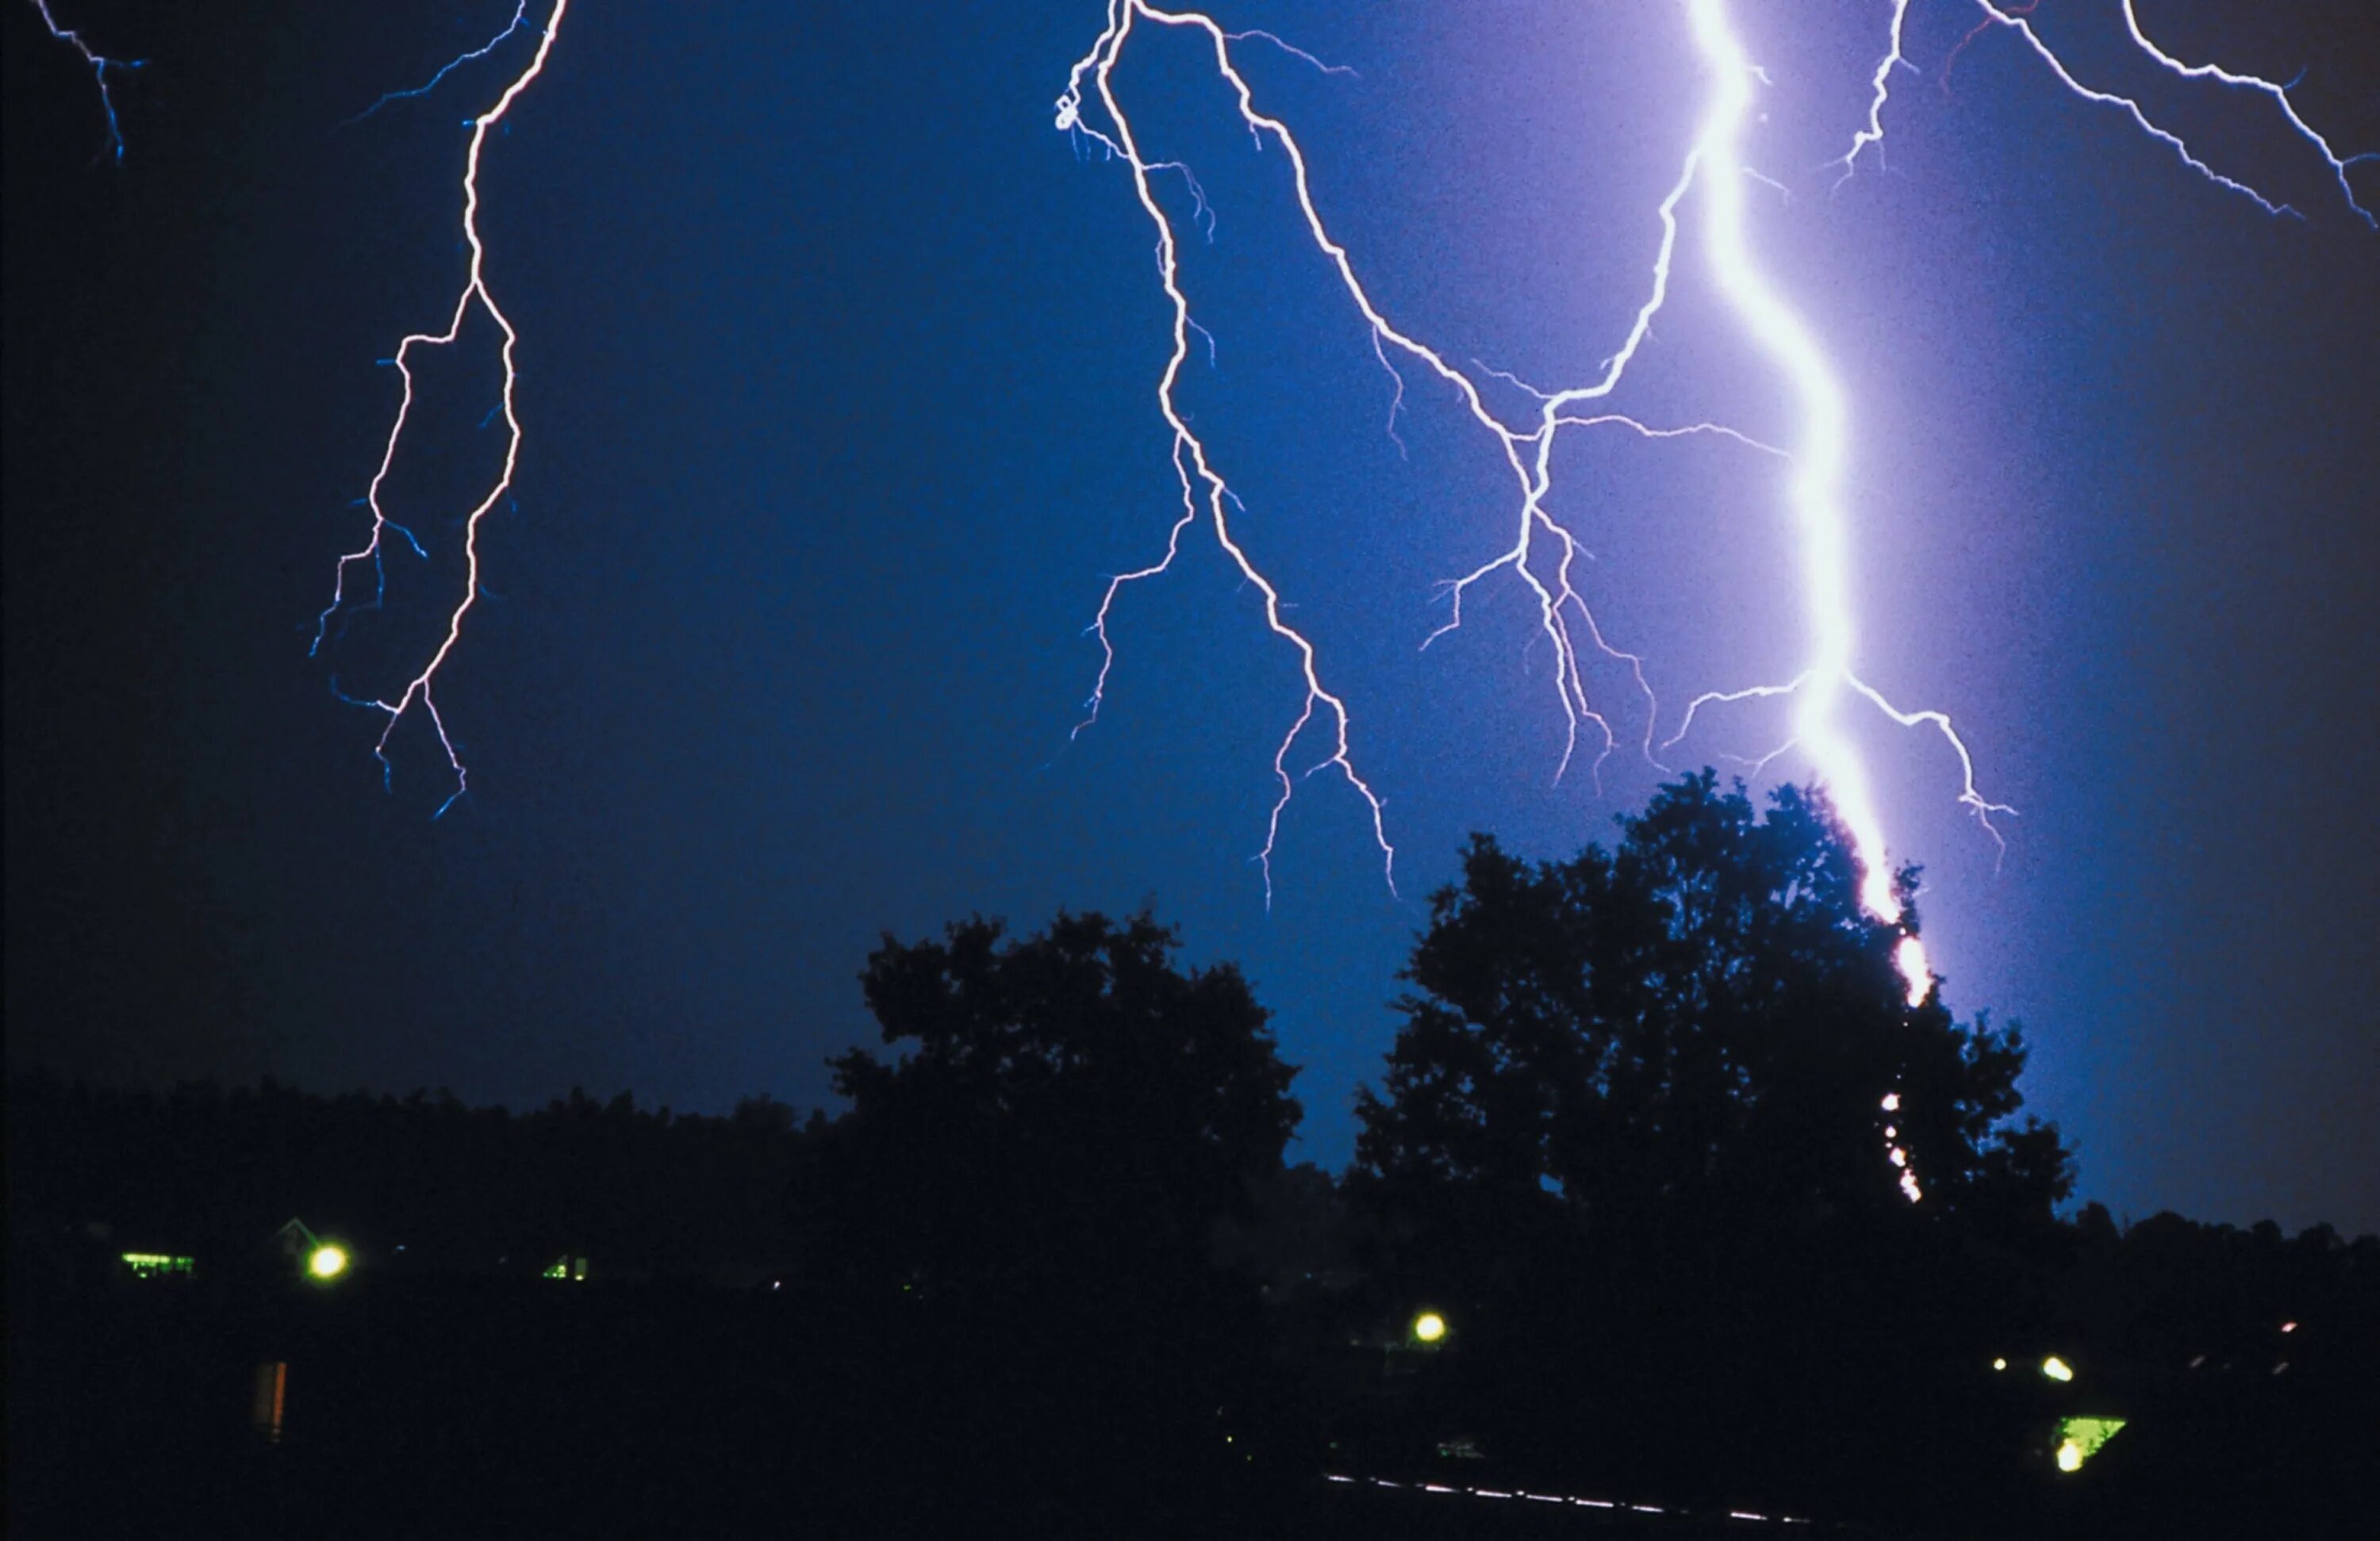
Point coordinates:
pixel 2069 1457
pixel 1999 1363
pixel 1429 1326
pixel 2056 1368
pixel 327 1261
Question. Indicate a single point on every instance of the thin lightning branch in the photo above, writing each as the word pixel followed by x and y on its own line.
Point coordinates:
pixel 1950 60
pixel 520 19
pixel 2280 96
pixel 100 65
pixel 475 289
pixel 1261 35
pixel 2023 28
pixel 1881 88
pixel 2018 19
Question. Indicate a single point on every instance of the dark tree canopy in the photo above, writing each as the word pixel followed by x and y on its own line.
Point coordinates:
pixel 1702 1021
pixel 1020 1217
pixel 1070 1094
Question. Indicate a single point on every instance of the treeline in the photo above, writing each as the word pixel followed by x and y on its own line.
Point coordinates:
pixel 1700 1204
pixel 215 1172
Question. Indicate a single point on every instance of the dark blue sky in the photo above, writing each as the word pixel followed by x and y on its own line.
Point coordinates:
pixel 838 370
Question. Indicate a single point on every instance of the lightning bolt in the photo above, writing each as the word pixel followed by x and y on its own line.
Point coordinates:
pixel 1542 554
pixel 1543 551
pixel 418 690
pixel 1815 492
pixel 100 65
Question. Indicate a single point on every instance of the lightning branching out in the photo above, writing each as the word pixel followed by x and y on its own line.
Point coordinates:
pixel 418 690
pixel 1543 551
pixel 2020 20
pixel 520 20
pixel 100 66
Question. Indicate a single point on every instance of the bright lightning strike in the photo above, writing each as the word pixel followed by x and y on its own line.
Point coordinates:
pixel 1543 551
pixel 100 65
pixel 418 690
pixel 1815 491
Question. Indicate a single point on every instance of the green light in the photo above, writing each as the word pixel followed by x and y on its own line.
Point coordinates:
pixel 327 1261
pixel 2079 1439
pixel 561 1269
pixel 148 1265
pixel 2056 1368
pixel 1428 1328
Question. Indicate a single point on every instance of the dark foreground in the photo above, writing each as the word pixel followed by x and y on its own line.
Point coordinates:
pixel 465 1407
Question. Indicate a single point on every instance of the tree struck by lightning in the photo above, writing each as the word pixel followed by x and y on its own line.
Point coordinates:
pixel 1708 195
pixel 419 691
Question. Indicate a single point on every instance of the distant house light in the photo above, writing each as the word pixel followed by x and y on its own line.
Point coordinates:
pixel 149 1265
pixel 2056 1368
pixel 327 1261
pixel 1999 1363
pixel 1429 1328
pixel 2288 1327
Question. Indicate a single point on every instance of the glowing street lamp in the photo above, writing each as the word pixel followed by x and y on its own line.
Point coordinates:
pixel 327 1262
pixel 2056 1368
pixel 1429 1328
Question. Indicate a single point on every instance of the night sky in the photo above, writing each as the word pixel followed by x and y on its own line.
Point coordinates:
pixel 837 371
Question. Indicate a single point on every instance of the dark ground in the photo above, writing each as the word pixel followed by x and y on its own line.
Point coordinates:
pixel 460 1407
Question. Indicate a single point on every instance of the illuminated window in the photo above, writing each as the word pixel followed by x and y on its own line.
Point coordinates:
pixel 149 1265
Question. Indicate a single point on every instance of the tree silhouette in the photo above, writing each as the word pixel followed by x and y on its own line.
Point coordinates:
pixel 1635 1138
pixel 1702 1020
pixel 1023 1210
pixel 1071 1098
